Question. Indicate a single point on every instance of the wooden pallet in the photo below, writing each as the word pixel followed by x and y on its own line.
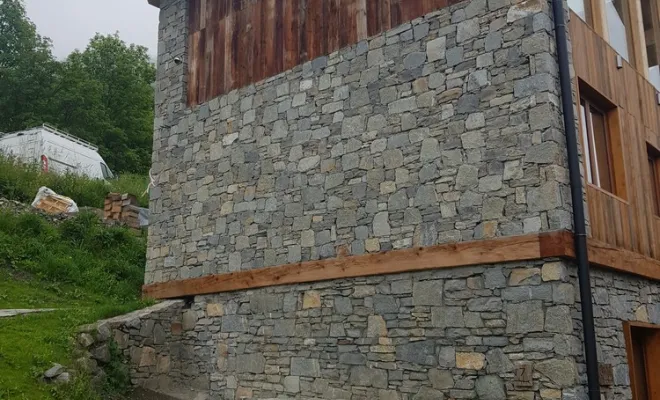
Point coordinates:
pixel 54 205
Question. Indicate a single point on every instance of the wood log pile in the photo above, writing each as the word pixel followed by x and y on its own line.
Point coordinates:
pixel 122 208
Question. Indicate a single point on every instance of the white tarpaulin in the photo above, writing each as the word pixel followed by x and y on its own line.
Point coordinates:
pixel 52 203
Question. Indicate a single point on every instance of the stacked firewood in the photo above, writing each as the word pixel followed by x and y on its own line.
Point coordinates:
pixel 122 208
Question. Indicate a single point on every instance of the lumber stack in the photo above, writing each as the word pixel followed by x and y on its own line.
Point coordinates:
pixel 122 208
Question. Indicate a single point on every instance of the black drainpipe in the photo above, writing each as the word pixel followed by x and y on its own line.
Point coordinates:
pixel 579 225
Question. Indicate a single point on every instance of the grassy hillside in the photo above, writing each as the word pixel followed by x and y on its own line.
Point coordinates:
pixel 21 182
pixel 85 269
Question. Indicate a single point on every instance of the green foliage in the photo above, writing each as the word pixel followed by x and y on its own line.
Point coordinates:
pixel 87 270
pixel 117 379
pixel 102 94
pixel 21 182
pixel 27 69
pixel 80 251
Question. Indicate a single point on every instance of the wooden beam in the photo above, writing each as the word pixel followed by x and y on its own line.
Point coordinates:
pixel 622 260
pixel 508 249
pixel 493 251
pixel 637 40
pixel 599 18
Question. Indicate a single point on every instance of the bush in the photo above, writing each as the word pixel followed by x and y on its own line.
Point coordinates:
pixel 21 182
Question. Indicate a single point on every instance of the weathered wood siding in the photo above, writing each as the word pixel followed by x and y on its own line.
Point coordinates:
pixel 626 221
pixel 237 42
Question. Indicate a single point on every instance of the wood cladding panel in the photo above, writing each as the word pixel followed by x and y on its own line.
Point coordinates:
pixel 234 43
pixel 626 221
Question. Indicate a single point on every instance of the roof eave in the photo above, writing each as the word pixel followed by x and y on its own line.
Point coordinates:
pixel 155 3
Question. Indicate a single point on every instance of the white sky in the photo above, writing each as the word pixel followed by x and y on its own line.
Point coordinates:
pixel 71 23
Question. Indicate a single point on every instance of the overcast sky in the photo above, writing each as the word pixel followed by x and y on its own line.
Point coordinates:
pixel 71 23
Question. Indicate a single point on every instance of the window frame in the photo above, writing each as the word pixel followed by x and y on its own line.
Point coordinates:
pixel 613 137
pixel 592 155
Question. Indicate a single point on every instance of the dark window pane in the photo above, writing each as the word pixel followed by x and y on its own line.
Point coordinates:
pixel 654 184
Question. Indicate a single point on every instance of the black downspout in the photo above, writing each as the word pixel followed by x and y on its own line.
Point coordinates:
pixel 579 224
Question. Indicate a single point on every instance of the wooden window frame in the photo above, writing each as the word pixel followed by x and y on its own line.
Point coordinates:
pixel 592 155
pixel 653 155
pixel 613 137
pixel 639 382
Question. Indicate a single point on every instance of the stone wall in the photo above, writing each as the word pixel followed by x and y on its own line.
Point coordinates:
pixel 458 333
pixel 618 298
pixel 441 130
pixel 150 342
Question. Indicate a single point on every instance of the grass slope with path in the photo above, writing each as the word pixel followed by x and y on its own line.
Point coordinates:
pixel 86 270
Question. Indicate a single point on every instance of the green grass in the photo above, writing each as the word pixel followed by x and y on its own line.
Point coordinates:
pixel 18 290
pixel 21 182
pixel 86 270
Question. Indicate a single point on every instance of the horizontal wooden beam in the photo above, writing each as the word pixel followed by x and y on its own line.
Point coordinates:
pixel 492 251
pixel 507 249
pixel 622 260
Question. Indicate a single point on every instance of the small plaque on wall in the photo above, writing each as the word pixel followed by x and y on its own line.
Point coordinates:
pixel 606 374
pixel 524 376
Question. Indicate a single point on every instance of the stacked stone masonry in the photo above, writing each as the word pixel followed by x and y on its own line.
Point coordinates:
pixel 441 130
pixel 149 341
pixel 448 334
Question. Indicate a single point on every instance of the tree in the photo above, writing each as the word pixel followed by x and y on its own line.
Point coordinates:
pixel 27 69
pixel 103 94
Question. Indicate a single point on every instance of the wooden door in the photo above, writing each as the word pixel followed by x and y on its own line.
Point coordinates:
pixel 652 356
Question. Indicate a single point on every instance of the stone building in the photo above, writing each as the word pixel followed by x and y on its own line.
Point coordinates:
pixel 371 199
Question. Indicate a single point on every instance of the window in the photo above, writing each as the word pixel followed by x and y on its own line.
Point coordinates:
pixel 581 8
pixel 654 174
pixel 600 132
pixel 107 174
pixel 595 138
pixel 618 24
pixel 643 347
pixel 651 42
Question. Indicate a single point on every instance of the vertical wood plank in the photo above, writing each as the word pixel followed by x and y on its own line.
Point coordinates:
pixel 385 15
pixel 201 57
pixel 373 17
pixel 269 28
pixel 249 44
pixel 229 50
pixel 361 30
pixel 351 25
pixel 396 13
pixel 202 13
pixel 256 65
pixel 193 15
pixel 334 24
pixel 193 68
pixel 344 17
pixel 218 81
pixel 208 62
pixel 279 37
pixel 314 28
pixel 291 33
